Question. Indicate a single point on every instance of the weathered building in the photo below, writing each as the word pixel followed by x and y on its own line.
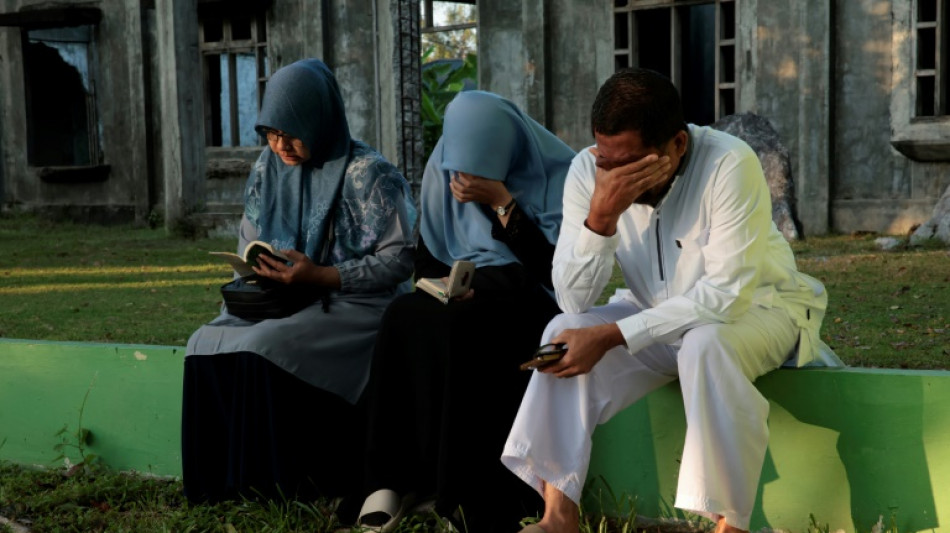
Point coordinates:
pixel 131 109
pixel 859 90
pixel 156 116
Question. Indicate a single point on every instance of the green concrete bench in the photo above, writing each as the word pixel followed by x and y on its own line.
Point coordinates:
pixel 847 445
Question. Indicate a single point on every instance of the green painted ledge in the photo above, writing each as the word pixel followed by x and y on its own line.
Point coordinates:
pixel 133 409
pixel 847 445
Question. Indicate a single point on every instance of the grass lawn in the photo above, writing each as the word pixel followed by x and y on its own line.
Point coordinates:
pixel 135 285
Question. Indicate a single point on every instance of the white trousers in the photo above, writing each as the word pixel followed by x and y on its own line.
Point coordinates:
pixel 726 416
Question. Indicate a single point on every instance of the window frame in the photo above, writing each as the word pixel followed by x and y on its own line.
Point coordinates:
pixel 927 137
pixel 727 85
pixel 230 47
pixel 64 16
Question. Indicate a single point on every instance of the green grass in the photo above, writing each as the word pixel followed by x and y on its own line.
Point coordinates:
pixel 135 285
pixel 74 282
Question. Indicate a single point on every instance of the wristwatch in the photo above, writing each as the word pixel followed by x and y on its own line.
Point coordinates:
pixel 503 210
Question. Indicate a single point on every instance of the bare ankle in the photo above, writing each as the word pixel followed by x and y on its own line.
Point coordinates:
pixel 723 527
pixel 561 514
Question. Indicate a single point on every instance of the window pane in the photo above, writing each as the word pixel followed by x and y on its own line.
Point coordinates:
pixel 213 26
pixel 925 97
pixel 698 65
pixel 621 31
pixel 727 102
pixel 621 61
pixel 247 99
pixel 727 64
pixel 926 48
pixel 727 23
pixel 213 128
pixel 926 10
pixel 652 27
pixel 240 27
pixel 261 30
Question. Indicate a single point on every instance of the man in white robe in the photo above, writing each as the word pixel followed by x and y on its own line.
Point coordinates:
pixel 715 300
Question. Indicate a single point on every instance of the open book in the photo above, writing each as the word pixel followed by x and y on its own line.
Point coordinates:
pixel 460 279
pixel 242 264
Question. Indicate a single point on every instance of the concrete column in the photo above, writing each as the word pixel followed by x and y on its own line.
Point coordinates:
pixel 511 53
pixel 182 127
pixel 549 57
pixel 581 58
pixel 792 83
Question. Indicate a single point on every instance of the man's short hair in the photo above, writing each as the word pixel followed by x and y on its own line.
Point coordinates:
pixel 641 100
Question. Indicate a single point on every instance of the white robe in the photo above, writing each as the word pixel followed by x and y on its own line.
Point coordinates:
pixel 715 300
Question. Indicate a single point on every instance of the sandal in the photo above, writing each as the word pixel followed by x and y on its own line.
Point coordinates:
pixel 382 511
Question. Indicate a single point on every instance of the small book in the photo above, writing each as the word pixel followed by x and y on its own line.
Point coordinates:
pixel 460 280
pixel 242 263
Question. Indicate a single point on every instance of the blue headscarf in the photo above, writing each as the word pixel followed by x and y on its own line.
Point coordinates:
pixel 292 206
pixel 486 135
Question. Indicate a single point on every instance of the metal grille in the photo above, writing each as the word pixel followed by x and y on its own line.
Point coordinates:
pixel 409 95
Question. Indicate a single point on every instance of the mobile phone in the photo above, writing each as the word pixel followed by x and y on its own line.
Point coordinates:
pixel 545 355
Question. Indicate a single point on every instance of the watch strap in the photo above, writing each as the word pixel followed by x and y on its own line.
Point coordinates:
pixel 504 210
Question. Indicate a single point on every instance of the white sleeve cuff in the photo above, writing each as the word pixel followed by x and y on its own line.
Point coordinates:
pixel 589 243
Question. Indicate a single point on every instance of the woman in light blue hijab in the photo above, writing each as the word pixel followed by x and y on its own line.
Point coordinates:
pixel 269 405
pixel 448 374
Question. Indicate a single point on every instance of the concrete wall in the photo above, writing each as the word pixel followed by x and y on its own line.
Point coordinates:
pixel 876 187
pixel 846 445
pixel 832 77
pixel 549 57
pixel 784 48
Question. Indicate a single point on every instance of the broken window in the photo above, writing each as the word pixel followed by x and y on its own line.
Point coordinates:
pixel 698 55
pixel 60 74
pixel 234 52
pixel 932 48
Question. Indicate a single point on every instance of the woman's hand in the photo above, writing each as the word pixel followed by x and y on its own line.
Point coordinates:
pixel 469 188
pixel 301 270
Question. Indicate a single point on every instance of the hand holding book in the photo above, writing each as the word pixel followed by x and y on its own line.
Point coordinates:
pixel 244 264
pixel 457 285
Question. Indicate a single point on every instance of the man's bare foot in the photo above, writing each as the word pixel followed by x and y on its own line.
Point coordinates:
pixel 723 527
pixel 561 514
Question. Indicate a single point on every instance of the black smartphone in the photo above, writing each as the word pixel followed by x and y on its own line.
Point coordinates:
pixel 545 355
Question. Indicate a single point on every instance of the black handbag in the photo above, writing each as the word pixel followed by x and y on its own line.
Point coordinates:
pixel 257 298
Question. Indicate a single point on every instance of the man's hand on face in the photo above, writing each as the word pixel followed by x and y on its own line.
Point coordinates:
pixel 617 188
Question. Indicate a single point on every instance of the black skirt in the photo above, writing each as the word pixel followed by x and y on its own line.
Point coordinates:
pixel 252 430
pixel 444 389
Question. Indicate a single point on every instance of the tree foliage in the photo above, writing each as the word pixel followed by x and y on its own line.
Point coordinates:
pixel 441 81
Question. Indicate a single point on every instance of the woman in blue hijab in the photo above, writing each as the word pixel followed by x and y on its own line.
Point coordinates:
pixel 269 405
pixel 445 383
